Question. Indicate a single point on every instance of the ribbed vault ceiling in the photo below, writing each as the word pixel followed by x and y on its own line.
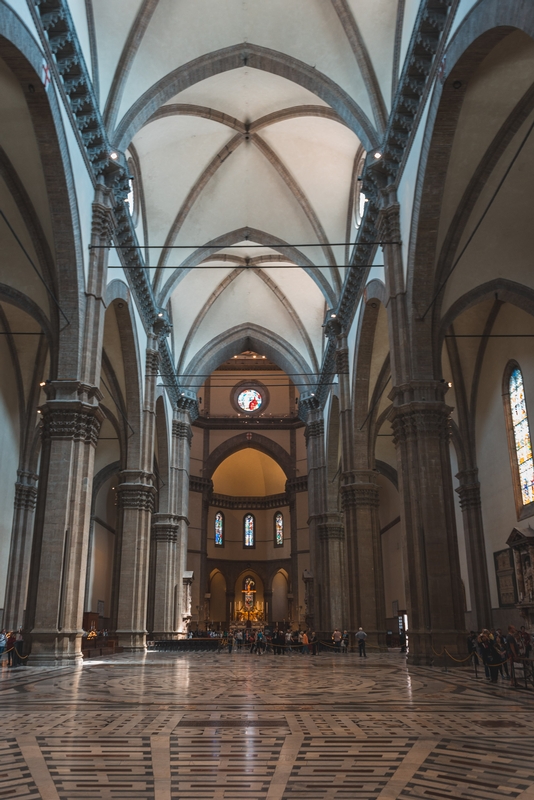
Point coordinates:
pixel 245 123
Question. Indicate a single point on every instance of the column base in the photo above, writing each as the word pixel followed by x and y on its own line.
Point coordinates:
pixel 54 649
pixel 165 636
pixel 438 648
pixel 132 641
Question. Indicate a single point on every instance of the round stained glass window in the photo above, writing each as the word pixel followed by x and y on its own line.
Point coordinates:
pixel 249 400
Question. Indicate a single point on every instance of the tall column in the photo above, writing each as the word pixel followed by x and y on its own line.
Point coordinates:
pixel 165 533
pixel 435 597
pixel 21 546
pixel 360 499
pixel 71 420
pixel 182 435
pixel 470 503
pixel 420 421
pixel 316 507
pixel 136 494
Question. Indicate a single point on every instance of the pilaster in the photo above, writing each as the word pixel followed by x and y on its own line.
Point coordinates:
pixel 165 536
pixel 21 545
pixel 471 505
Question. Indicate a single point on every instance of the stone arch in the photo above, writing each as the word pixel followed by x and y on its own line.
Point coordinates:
pixel 22 55
pixel 247 337
pixel 256 442
pixel 255 57
pixel 483 28
pixel 239 235
pixel 130 416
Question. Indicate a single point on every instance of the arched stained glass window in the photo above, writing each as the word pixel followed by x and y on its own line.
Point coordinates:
pixel 219 529
pixel 279 529
pixel 249 538
pixel 521 433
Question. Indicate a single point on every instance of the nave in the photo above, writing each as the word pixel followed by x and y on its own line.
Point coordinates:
pixel 215 727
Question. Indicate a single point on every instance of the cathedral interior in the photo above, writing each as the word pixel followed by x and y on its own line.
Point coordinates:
pixel 266 323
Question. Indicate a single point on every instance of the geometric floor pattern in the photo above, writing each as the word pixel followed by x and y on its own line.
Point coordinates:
pixel 243 727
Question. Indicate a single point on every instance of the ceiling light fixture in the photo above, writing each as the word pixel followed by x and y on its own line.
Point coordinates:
pixel 378 155
pixel 114 155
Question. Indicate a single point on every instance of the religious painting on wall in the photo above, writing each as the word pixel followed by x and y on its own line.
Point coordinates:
pixel 505 574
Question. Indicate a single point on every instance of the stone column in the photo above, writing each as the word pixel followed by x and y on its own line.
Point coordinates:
pixel 165 533
pixel 420 420
pixel 136 494
pixel 360 500
pixel 71 421
pixel 21 546
pixel 182 435
pixel 331 533
pixel 470 503
pixel 317 507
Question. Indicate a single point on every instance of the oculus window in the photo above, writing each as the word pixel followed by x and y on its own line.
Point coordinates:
pixel 249 400
pixel 219 529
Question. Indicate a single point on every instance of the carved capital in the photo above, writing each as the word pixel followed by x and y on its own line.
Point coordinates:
pixel 71 420
pixel 165 532
pixel 388 223
pixel 342 361
pixel 420 421
pixel 469 494
pixel 25 496
pixel 182 430
pixel 331 530
pixel 359 495
pixel 138 496
pixel 103 223
pixel 314 429
pixel 152 362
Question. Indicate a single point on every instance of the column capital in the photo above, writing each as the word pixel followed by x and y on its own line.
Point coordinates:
pixel 165 528
pixel 342 360
pixel 388 222
pixel 359 495
pixel 469 489
pixel 25 495
pixel 103 222
pixel 182 430
pixel 331 530
pixel 71 419
pixel 136 490
pixel 420 420
pixel 314 429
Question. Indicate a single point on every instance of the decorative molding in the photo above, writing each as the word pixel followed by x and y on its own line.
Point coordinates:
pixel 200 485
pixel 314 429
pixel 420 420
pixel 182 430
pixel 331 530
pixel 138 496
pixel 359 495
pixel 71 420
pixel 249 503
pixel 296 485
pixel 25 496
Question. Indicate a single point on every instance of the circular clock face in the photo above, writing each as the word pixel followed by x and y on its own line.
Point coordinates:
pixel 249 400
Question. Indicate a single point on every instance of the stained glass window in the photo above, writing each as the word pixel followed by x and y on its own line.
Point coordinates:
pixel 523 445
pixel 249 531
pixel 219 529
pixel 278 529
pixel 249 400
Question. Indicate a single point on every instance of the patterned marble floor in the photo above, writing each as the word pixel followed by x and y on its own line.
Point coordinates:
pixel 243 727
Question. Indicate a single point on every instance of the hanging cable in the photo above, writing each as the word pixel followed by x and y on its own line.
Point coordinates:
pixel 481 220
pixel 48 289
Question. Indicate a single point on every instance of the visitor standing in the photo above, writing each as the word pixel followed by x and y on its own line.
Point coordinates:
pixel 361 636
pixel 230 641
pixel 336 638
pixel 305 643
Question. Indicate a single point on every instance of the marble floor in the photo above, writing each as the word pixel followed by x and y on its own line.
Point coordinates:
pixel 240 726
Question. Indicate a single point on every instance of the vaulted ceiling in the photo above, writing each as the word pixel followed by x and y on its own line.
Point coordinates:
pixel 245 123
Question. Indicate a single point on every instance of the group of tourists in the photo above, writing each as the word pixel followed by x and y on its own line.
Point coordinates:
pixel 12 643
pixel 280 641
pixel 501 653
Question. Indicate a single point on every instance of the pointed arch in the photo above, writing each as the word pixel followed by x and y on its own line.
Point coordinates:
pixel 255 57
